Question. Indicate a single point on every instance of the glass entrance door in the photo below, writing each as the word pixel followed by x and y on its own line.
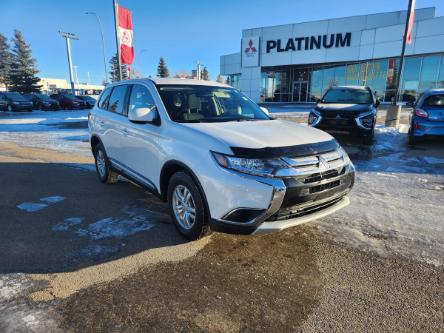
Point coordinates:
pixel 300 91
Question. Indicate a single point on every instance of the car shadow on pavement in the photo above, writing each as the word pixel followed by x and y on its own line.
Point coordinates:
pixel 60 218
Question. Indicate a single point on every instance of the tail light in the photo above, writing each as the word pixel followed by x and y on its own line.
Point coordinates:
pixel 421 113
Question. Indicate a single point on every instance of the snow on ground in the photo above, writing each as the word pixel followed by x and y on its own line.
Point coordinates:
pixel 17 314
pixel 65 131
pixel 397 204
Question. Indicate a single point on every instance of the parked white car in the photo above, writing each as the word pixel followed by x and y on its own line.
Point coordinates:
pixel 216 157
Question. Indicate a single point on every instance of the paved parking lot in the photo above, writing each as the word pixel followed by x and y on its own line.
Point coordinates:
pixel 78 255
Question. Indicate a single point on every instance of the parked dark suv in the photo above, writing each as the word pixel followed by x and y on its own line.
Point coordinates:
pixel 14 101
pixel 43 102
pixel 69 102
pixel 347 110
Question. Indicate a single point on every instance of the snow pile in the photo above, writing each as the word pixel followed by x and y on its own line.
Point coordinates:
pixel 390 214
pixel 397 201
pixel 60 130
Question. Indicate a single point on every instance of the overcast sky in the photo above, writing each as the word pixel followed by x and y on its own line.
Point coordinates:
pixel 181 31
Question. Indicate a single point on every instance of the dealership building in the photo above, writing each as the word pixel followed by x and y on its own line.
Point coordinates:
pixel 298 62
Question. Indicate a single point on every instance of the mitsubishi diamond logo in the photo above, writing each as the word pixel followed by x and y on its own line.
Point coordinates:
pixel 323 163
pixel 251 50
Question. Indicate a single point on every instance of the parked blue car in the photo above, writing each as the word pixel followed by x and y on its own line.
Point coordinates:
pixel 427 118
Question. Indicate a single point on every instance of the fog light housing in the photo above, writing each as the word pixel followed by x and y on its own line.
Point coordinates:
pixel 243 215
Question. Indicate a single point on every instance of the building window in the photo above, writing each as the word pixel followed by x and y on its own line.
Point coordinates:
pixel 429 73
pixel 302 84
pixel 234 80
pixel 410 78
pixel 316 85
pixel 377 76
pixel 440 83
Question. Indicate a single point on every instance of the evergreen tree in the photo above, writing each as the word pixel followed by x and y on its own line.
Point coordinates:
pixel 22 74
pixel 162 69
pixel 204 74
pixel 114 73
pixel 5 60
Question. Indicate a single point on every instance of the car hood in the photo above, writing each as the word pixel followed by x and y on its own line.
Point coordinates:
pixel 261 134
pixel 342 107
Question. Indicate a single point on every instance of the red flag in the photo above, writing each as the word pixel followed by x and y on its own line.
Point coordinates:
pixel 411 20
pixel 125 34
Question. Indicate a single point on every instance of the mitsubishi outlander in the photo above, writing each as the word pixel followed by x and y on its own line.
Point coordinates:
pixel 218 159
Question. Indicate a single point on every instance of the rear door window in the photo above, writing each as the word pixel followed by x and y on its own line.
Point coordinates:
pixel 117 100
pixel 104 99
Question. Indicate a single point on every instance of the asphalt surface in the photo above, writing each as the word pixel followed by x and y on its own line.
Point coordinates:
pixel 62 268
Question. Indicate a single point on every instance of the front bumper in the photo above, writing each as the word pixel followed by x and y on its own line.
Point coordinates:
pixel 22 107
pixel 284 224
pixel 294 200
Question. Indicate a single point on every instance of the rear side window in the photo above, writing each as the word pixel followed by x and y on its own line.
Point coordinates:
pixel 104 99
pixel 117 99
pixel 140 98
pixel 435 101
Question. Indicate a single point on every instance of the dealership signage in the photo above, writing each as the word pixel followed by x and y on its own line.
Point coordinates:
pixel 250 51
pixel 309 42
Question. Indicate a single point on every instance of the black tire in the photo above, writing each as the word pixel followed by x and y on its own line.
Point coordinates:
pixel 200 226
pixel 412 139
pixel 368 139
pixel 105 173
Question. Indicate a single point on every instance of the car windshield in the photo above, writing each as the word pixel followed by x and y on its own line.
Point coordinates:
pixel 347 96
pixel 436 101
pixel 193 103
pixel 16 96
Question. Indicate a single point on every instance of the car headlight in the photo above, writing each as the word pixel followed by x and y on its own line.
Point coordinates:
pixel 252 166
pixel 314 118
pixel 365 120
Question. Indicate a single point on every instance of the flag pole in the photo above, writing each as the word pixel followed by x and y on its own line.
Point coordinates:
pixel 116 24
pixel 404 42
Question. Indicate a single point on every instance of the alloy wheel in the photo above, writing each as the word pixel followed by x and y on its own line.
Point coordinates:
pixel 184 207
pixel 101 163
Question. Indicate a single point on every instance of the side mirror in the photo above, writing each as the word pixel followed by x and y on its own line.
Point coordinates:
pixel 142 115
pixel 265 110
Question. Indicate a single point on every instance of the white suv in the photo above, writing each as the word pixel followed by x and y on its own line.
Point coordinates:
pixel 216 157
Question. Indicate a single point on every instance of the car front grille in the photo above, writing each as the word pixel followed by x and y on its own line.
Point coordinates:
pixel 291 214
pixel 316 178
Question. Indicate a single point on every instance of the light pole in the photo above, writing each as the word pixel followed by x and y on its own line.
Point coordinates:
pixel 68 36
pixel 103 43
pixel 77 74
